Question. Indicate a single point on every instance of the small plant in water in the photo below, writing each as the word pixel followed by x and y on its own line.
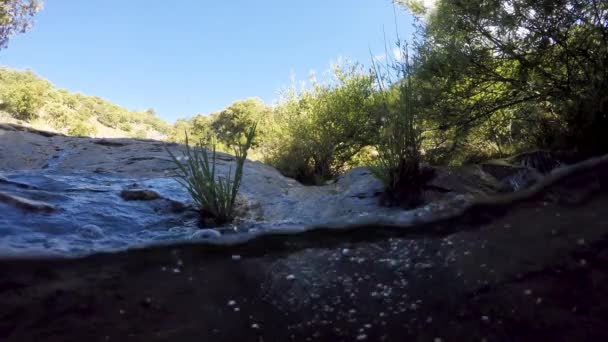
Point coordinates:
pixel 398 163
pixel 214 194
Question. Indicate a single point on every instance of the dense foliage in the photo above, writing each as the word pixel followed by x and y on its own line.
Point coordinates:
pixel 312 134
pixel 318 131
pixel 501 76
pixel 16 17
pixel 27 97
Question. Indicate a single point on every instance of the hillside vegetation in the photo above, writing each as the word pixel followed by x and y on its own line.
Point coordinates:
pixel 483 79
pixel 29 99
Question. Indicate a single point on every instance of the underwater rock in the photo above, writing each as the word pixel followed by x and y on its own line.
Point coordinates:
pixel 178 207
pixel 111 143
pixel 139 195
pixel 17 184
pixel 25 203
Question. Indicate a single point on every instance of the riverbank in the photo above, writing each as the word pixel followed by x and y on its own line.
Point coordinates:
pixel 534 270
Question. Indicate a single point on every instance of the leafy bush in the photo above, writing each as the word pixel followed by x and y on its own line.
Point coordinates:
pixel 127 127
pixel 230 124
pixel 215 195
pixel 316 133
pixel 81 128
pixel 57 117
pixel 499 77
pixel 139 134
pixel 180 130
pixel 25 99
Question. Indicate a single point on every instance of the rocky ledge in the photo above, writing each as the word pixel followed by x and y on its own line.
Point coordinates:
pixel 57 191
pixel 527 265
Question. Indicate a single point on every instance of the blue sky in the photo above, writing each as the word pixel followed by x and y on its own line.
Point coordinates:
pixel 185 57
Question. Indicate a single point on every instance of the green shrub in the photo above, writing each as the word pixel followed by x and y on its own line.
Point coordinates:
pixel 127 127
pixel 139 134
pixel 230 124
pixel 57 117
pixel 215 195
pixel 24 100
pixel 317 132
pixel 81 128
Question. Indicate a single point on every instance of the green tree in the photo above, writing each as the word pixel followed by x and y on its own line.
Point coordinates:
pixel 203 131
pixel 23 94
pixel 181 128
pixel 524 71
pixel 318 131
pixel 16 17
pixel 231 124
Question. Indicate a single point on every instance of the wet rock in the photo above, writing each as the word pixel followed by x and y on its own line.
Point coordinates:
pixel 525 169
pixel 501 169
pixel 15 128
pixel 511 177
pixel 8 127
pixel 469 179
pixel 17 184
pixel 541 160
pixel 112 143
pixel 178 207
pixel 139 195
pixel 26 204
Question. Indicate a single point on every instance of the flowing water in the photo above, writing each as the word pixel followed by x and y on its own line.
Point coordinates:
pixel 90 215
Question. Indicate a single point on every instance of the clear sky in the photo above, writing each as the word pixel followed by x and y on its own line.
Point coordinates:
pixel 184 57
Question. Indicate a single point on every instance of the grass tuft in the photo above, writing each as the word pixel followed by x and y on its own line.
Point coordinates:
pixel 214 194
pixel 398 162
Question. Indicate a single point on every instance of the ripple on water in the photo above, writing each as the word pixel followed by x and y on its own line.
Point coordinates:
pixel 90 231
pixel 92 217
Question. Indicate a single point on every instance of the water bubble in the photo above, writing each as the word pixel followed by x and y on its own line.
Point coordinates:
pixel 205 234
pixel 90 231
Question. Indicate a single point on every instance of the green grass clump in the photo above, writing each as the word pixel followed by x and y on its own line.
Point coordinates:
pixel 214 194
pixel 398 162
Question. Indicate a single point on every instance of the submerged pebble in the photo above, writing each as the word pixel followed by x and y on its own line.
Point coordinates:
pixel 25 203
pixel 139 195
